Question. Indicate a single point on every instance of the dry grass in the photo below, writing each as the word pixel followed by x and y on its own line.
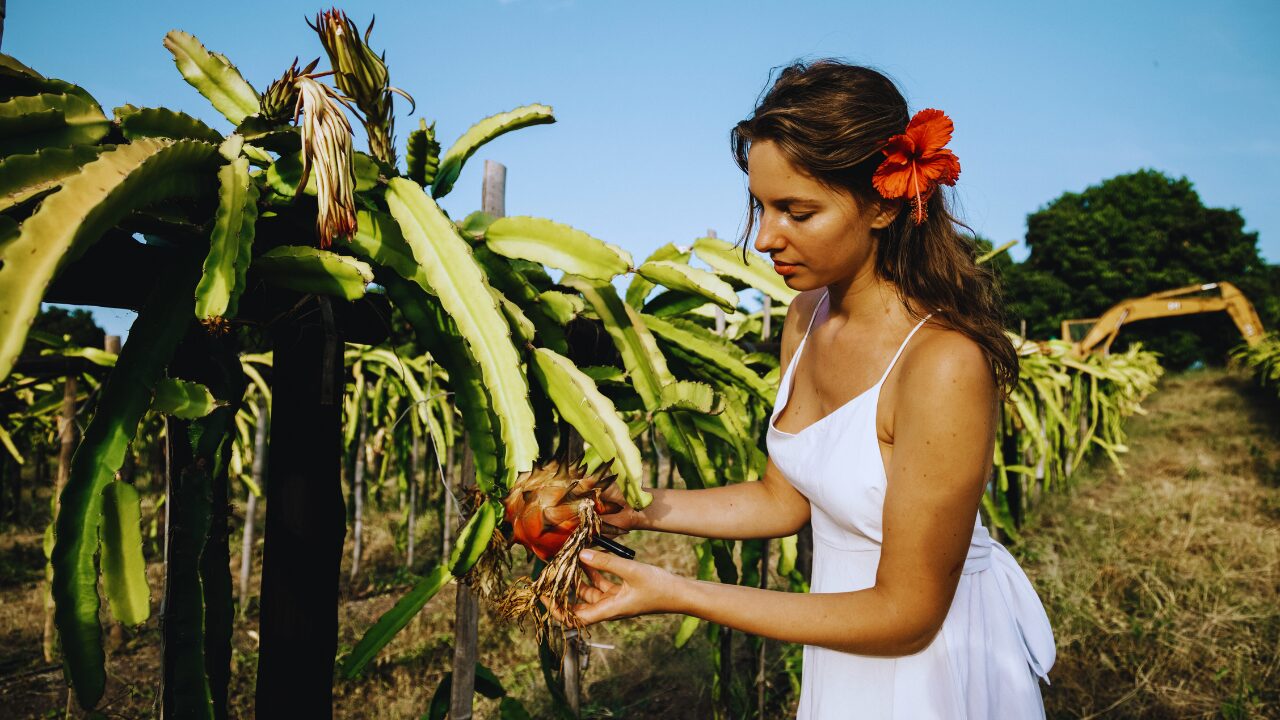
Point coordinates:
pixel 1163 584
pixel 639 675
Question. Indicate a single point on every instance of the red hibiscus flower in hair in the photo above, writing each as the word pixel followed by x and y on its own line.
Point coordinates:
pixel 917 161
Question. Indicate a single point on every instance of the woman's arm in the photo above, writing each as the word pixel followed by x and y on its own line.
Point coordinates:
pixel 766 509
pixel 944 419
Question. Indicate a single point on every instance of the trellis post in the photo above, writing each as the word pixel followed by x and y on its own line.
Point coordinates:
pixel 466 620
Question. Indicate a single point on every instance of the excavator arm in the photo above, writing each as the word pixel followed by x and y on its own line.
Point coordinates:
pixel 1102 331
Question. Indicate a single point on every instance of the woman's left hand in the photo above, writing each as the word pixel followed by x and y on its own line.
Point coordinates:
pixel 643 589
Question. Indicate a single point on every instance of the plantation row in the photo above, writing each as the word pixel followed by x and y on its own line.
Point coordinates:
pixel 314 329
pixel 401 439
pixel 1263 359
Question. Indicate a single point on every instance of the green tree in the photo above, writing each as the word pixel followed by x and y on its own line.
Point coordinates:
pixel 78 324
pixel 1129 236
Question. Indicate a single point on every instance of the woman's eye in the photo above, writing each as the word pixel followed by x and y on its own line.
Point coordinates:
pixel 799 217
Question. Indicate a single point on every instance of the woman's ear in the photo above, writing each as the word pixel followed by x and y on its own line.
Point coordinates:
pixel 886 212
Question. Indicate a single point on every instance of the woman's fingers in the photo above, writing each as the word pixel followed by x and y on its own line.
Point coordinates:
pixel 621 567
pixel 615 511
pixel 591 613
pixel 611 531
pixel 613 495
pixel 551 609
pixel 589 594
pixel 641 588
pixel 598 579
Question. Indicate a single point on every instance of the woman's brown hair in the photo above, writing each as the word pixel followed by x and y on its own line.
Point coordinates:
pixel 831 120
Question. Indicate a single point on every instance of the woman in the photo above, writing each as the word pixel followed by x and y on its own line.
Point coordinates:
pixel 882 432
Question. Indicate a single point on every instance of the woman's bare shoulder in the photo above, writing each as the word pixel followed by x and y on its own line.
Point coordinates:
pixel 943 358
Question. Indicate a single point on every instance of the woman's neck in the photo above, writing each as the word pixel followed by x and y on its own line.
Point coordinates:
pixel 864 298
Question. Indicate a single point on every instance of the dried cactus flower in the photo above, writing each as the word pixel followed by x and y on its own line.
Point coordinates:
pixel 216 326
pixel 326 150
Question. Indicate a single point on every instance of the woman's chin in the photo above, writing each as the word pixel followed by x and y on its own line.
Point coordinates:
pixel 799 281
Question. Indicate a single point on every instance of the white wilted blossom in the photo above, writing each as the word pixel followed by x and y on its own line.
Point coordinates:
pixel 326 150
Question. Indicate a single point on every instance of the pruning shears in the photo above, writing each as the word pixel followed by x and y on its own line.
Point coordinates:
pixel 616 548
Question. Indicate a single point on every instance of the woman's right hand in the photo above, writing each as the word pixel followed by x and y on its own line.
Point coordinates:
pixel 625 519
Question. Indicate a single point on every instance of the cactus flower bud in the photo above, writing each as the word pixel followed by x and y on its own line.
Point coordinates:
pixel 358 71
pixel 281 96
pixel 361 74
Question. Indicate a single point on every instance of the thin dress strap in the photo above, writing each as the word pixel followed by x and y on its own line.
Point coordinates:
pixel 817 306
pixel 785 384
pixel 902 347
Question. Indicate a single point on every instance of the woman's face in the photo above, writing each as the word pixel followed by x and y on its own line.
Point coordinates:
pixel 815 235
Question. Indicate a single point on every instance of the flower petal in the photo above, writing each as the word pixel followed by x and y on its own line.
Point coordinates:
pixel 560 514
pixel 941 166
pixel 930 130
pixel 899 149
pixel 893 179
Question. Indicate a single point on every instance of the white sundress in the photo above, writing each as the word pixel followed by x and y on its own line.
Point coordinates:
pixel 996 638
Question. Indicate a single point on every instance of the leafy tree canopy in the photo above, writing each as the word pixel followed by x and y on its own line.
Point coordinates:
pixel 1129 236
pixel 78 324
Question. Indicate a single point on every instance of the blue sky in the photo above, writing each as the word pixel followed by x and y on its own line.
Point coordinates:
pixel 1046 98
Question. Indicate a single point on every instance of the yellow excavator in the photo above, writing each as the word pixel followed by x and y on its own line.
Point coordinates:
pixel 1096 334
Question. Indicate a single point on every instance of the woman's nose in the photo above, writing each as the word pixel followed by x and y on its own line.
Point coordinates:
pixel 767 237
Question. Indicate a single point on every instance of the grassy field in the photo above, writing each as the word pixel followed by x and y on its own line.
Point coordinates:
pixel 1163 585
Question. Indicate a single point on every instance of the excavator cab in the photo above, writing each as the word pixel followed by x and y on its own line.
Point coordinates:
pixel 1096 334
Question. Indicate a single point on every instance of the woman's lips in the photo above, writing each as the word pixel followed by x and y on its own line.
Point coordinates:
pixel 783 268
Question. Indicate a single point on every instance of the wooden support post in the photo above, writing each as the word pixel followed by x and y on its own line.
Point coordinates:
pixel 766 321
pixel 466 621
pixel 67 446
pixel 411 477
pixel 493 195
pixel 251 504
pixel 720 321
pixel 1012 496
pixel 761 663
pixel 357 488
pixel 446 508
pixel 1043 462
pixel 724 706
